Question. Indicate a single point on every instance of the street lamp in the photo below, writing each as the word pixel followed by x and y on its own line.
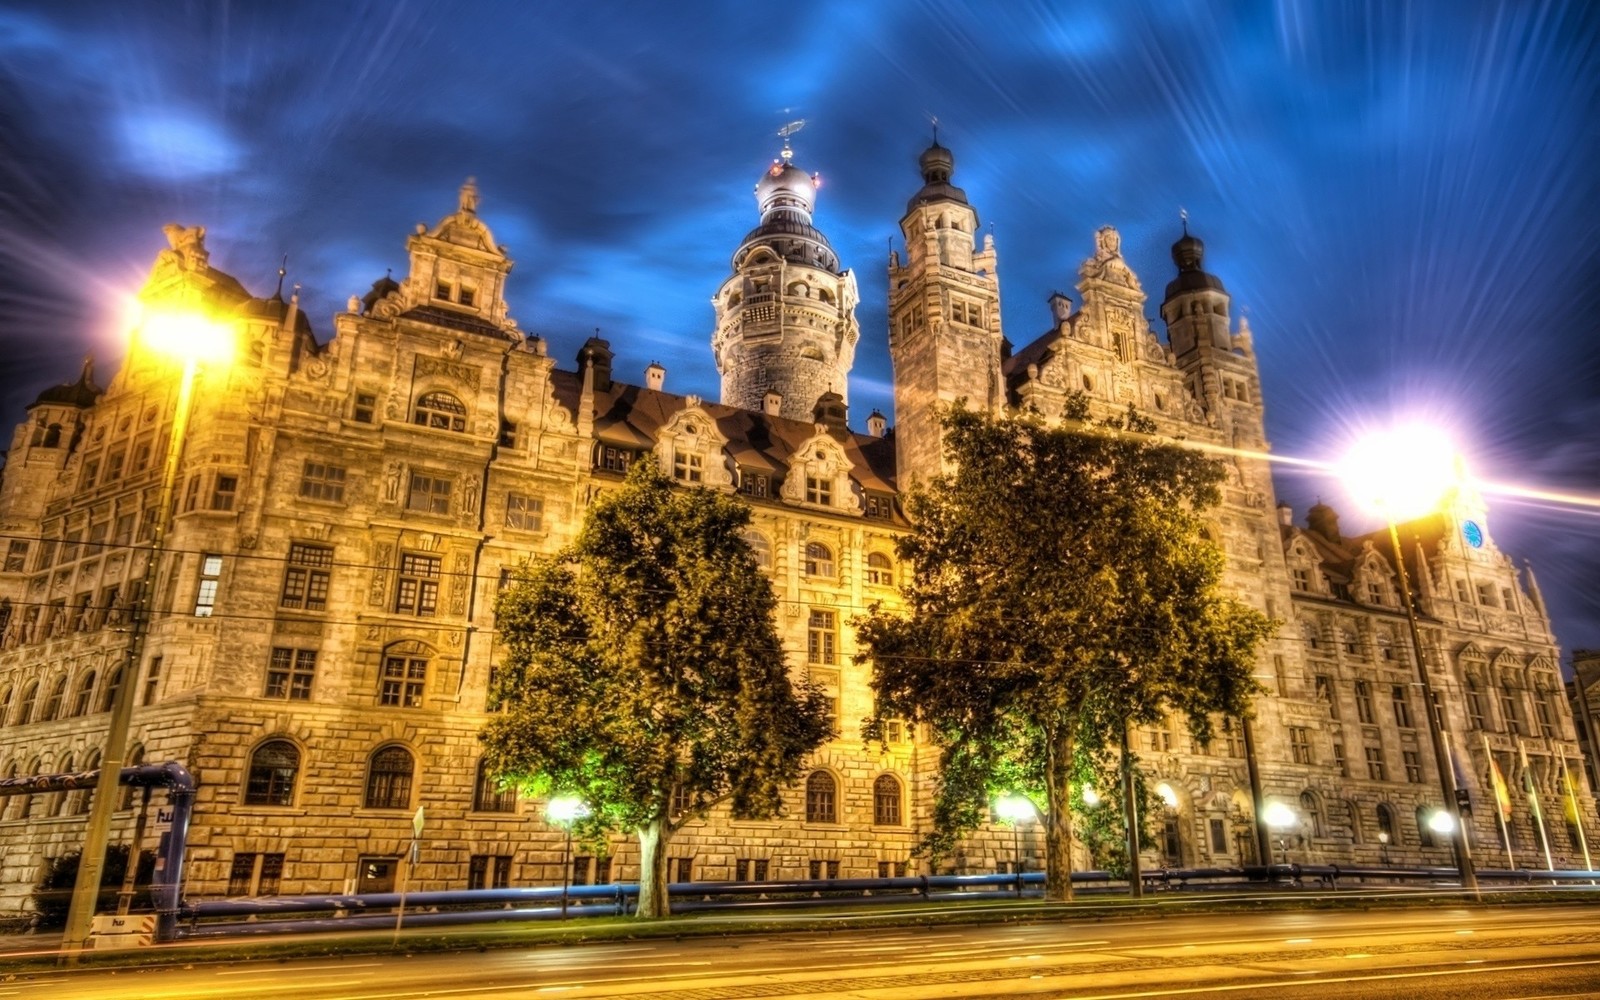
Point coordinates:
pixel 1016 810
pixel 1280 818
pixel 189 337
pixel 1404 475
pixel 1383 842
pixel 564 811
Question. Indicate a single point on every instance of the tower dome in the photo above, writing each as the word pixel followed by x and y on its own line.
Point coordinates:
pixel 1189 253
pixel 937 164
pixel 786 196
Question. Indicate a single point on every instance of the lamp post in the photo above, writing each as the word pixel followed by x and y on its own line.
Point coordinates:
pixel 190 338
pixel 1015 809
pixel 1404 475
pixel 1280 818
pixel 564 811
pixel 1383 843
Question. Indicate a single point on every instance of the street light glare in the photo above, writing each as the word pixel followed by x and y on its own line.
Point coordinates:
pixel 1013 808
pixel 1402 473
pixel 1279 816
pixel 185 335
pixel 1442 822
pixel 565 809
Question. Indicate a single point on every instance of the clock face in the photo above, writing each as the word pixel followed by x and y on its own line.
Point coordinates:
pixel 1473 533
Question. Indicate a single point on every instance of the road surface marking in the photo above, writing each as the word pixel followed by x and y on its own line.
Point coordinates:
pixel 307 968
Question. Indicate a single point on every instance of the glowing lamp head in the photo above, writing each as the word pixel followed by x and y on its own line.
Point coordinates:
pixel 1013 808
pixel 1279 816
pixel 1402 474
pixel 565 809
pixel 1442 822
pixel 1169 798
pixel 185 335
pixel 1091 798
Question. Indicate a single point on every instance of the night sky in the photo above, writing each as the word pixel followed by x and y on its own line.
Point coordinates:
pixel 1404 198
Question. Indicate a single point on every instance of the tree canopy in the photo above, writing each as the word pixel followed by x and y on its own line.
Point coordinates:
pixel 643 672
pixel 1062 590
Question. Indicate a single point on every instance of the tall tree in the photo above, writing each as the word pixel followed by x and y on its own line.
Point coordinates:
pixel 1062 589
pixel 643 673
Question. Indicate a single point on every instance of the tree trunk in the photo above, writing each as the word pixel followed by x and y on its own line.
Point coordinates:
pixel 653 839
pixel 1058 821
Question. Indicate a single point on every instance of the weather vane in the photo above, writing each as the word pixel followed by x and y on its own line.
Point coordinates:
pixel 787 131
pixel 1183 216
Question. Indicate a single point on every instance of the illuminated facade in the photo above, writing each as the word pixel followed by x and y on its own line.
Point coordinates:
pixel 347 511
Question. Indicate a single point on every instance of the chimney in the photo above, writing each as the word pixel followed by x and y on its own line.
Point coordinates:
pixel 1285 515
pixel 772 403
pixel 654 376
pixel 1060 307
pixel 877 423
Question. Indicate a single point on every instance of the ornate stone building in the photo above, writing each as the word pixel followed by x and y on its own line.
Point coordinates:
pixel 347 510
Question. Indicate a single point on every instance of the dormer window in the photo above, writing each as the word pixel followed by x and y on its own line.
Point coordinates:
pixel 879 507
pixel 614 459
pixel 468 295
pixel 753 484
pixel 819 491
pixel 688 467
pixel 441 290
pixel 442 411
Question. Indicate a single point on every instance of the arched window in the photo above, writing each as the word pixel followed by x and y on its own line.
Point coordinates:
pixel 880 570
pixel 488 796
pixel 760 548
pixel 109 698
pixel 52 703
pixel 886 800
pixel 30 694
pixel 26 809
pixel 5 804
pixel 1424 831
pixel 822 798
pixel 5 705
pixel 85 693
pixel 441 410
pixel 1312 809
pixel 819 559
pixel 389 779
pixel 273 769
pixel 1352 816
pixel 1386 825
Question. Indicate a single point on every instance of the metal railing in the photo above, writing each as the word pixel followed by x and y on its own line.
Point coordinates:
pixel 241 917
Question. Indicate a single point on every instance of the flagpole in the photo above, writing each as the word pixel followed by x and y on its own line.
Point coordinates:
pixel 1502 801
pixel 1538 809
pixel 1575 812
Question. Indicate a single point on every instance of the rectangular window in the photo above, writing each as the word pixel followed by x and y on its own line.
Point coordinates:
pixel 682 869
pixel 1507 599
pixel 271 879
pixel 141 457
pixel 753 484
pixel 602 871
pixel 1486 594
pixel 305 580
pixel 750 870
pixel 820 636
pixel 321 481
pixel 366 406
pixel 891 869
pixel 687 468
pixel 819 491
pixel 205 598
pixel 1541 710
pixel 1374 592
pixel 489 871
pixel 290 672
pixel 1301 579
pixel 70 545
pixel 152 681
pixel 1324 685
pixel 508 433
pixel 1364 703
pixel 91 472
pixel 1508 709
pixel 441 290
pixel 879 508
pixel 253 874
pixel 1474 705
pixel 191 494
pixel 114 463
pixel 224 492
pixel 1219 836
pixel 467 295
pixel 241 875
pixel 1339 761
pixel 1413 762
pixel 16 556
pixel 823 869
pixel 1375 767
pixel 1402 707
pixel 615 459
pixel 429 494
pixel 123 534
pixel 418 590
pixel 1300 744
pixel 1461 592
pixel 404 679
pixel 524 513
pixel 580 869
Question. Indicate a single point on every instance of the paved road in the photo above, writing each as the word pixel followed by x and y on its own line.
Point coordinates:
pixel 1461 954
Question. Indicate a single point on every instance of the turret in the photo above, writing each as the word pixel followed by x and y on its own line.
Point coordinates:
pixel 785 318
pixel 944 317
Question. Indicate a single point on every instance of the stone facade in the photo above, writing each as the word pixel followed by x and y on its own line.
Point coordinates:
pixel 346 511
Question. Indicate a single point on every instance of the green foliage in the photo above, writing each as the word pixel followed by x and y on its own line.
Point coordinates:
pixel 1062 590
pixel 1102 827
pixel 52 894
pixel 643 669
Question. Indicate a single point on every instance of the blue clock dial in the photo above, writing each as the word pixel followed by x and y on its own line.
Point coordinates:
pixel 1473 534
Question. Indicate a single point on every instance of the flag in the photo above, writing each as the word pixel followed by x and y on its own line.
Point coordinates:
pixel 1502 794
